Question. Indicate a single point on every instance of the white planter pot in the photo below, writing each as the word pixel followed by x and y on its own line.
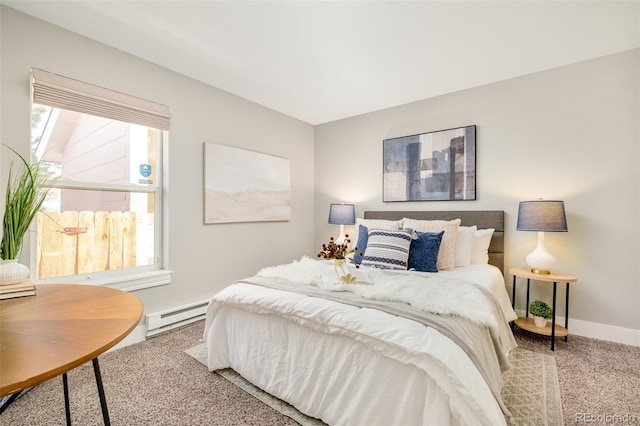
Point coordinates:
pixel 12 272
pixel 539 321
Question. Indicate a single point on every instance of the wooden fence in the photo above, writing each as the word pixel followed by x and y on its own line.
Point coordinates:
pixel 71 243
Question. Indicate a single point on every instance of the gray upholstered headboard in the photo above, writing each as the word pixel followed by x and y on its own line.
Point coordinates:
pixel 481 218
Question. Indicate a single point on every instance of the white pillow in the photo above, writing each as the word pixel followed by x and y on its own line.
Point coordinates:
pixel 464 245
pixel 389 225
pixel 447 252
pixel 480 251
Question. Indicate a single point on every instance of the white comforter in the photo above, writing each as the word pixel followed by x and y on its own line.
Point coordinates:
pixel 431 292
pixel 350 365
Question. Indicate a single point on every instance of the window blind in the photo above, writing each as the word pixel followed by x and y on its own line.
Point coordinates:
pixel 63 92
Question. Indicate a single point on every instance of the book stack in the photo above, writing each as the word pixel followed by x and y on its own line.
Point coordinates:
pixel 25 288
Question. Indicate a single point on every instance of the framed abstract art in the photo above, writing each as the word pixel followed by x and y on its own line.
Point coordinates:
pixel 433 166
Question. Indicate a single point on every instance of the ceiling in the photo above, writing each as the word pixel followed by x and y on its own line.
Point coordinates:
pixel 320 61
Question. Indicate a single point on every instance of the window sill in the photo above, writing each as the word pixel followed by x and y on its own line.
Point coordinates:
pixel 130 282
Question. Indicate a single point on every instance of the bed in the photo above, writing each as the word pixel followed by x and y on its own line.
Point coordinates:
pixel 393 347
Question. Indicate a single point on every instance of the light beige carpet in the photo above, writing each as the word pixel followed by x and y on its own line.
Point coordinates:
pixel 530 391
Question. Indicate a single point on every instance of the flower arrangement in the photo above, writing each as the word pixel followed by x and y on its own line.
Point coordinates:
pixel 339 253
pixel 334 250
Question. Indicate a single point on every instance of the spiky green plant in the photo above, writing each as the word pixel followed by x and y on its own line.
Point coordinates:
pixel 27 187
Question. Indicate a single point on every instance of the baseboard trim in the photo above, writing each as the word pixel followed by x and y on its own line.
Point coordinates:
pixel 594 330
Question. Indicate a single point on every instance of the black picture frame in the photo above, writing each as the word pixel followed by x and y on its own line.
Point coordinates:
pixel 432 166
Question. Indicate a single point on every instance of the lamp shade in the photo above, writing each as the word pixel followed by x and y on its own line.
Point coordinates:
pixel 542 216
pixel 342 214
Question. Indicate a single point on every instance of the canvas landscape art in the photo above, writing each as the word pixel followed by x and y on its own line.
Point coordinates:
pixel 434 166
pixel 245 186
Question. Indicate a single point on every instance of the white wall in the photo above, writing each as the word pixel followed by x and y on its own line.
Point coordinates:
pixel 204 258
pixel 570 133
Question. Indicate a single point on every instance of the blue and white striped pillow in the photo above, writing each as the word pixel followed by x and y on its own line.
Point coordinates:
pixel 388 249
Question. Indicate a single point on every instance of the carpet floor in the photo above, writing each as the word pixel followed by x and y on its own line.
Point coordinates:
pixel 599 381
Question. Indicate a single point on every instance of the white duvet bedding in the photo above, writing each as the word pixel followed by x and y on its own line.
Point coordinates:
pixel 487 276
pixel 412 288
pixel 350 365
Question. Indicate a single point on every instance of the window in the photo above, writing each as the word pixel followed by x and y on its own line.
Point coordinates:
pixel 102 221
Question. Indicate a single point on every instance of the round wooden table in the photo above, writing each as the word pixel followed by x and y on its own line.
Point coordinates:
pixel 61 327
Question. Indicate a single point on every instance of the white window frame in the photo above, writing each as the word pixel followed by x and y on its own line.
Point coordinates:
pixel 129 279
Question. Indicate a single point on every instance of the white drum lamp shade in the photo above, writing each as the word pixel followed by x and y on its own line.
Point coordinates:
pixel 342 214
pixel 541 216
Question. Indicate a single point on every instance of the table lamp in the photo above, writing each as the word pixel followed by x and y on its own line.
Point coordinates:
pixel 342 214
pixel 541 216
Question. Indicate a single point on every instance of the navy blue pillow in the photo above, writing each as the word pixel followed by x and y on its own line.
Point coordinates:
pixel 361 244
pixel 423 253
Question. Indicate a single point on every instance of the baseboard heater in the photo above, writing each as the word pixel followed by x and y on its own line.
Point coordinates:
pixel 175 317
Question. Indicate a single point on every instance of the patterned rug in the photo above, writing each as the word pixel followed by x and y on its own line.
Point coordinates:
pixel 531 390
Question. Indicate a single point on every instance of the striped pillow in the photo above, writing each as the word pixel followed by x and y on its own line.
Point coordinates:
pixel 387 249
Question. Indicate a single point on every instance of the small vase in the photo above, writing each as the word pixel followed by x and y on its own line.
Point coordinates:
pixel 339 263
pixel 539 321
pixel 12 272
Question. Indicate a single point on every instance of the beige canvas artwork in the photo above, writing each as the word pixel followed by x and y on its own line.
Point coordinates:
pixel 245 186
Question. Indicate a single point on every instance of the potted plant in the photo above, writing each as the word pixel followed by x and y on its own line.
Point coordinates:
pixel 27 188
pixel 541 312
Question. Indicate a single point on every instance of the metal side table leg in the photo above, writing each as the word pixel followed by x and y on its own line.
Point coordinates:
pixel 566 313
pixel 553 319
pixel 103 399
pixel 513 302
pixel 526 308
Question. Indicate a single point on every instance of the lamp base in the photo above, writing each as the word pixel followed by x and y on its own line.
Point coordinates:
pixel 540 260
pixel 340 238
pixel 540 271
